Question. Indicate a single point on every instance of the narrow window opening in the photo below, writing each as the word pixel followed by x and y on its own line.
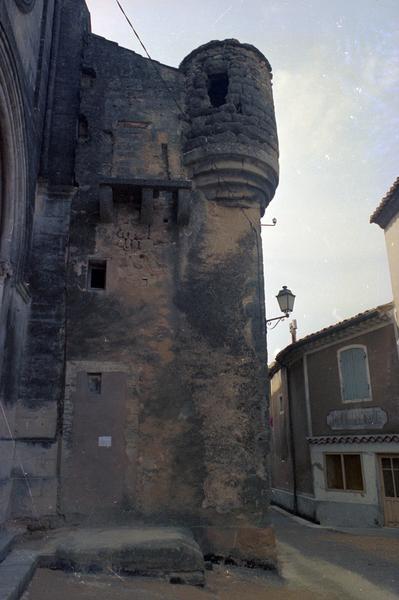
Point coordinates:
pixel 83 128
pixel 218 86
pixel 94 381
pixel 97 275
pixel 281 404
pixel 88 77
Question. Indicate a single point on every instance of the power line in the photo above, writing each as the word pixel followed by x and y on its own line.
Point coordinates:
pixel 16 453
pixel 149 57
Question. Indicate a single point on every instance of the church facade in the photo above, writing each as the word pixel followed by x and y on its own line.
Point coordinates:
pixel 134 385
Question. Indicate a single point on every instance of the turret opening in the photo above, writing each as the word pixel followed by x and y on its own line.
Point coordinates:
pixel 218 86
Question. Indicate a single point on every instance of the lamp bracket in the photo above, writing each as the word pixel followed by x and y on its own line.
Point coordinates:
pixel 272 224
pixel 278 319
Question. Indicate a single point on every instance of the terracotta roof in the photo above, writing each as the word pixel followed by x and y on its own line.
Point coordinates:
pixel 388 207
pixel 379 312
pixel 379 438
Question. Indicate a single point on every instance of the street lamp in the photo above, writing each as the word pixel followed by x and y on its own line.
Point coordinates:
pixel 285 299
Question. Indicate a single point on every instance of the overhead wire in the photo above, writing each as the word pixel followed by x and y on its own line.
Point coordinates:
pixel 18 459
pixel 153 63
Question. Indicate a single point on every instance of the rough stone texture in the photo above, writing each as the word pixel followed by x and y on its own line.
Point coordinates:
pixel 178 333
pixel 25 46
pixel 40 53
pixel 231 149
pixel 145 401
pixel 249 546
pixel 16 571
pixel 146 551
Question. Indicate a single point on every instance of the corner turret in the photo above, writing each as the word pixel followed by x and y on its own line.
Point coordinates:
pixel 230 141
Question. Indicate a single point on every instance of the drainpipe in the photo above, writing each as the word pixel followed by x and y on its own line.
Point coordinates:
pixel 292 443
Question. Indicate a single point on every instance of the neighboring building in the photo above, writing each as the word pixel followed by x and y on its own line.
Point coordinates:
pixel 335 423
pixel 134 379
pixel 386 215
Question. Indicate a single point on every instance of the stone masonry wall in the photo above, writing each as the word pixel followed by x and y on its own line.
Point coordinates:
pixel 52 113
pixel 25 48
pixel 165 405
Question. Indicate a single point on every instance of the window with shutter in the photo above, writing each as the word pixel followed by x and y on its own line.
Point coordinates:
pixel 354 374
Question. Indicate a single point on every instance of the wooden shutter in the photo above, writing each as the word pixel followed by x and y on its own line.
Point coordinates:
pixel 354 374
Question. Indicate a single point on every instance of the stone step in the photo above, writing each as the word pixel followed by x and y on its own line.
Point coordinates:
pixel 16 571
pixel 165 552
pixel 7 538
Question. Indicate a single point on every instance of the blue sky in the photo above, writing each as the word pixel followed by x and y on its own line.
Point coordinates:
pixel 336 89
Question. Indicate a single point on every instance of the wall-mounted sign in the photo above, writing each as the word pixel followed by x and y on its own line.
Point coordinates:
pixel 105 441
pixel 357 418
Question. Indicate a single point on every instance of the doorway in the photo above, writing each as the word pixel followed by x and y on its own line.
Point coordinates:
pixel 389 466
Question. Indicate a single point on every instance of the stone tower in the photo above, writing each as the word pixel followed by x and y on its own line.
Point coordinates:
pixel 165 331
pixel 141 394
pixel 230 151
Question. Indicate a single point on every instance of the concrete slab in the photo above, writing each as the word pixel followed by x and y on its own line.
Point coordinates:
pixel 157 552
pixel 16 571
pixel 7 538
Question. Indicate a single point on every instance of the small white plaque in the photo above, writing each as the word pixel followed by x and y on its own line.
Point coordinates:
pixel 105 441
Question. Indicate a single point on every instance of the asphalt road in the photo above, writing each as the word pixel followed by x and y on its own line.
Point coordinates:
pixel 352 564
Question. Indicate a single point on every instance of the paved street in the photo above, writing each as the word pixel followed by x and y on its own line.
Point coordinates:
pixel 315 563
pixel 351 563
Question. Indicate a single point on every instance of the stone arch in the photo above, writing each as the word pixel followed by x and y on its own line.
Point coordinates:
pixel 14 222
pixel 13 167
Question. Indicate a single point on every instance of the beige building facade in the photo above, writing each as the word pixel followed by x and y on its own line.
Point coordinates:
pixel 386 215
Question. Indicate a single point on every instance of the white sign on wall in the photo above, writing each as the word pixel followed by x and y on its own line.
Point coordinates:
pixel 105 441
pixel 357 418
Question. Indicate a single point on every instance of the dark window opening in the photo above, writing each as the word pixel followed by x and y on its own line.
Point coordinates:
pixel 88 77
pixel 97 275
pixel 238 108
pixel 94 382
pixel 344 472
pixel 218 86
pixel 83 128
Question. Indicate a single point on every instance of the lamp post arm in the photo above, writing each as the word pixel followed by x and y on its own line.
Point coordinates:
pixel 278 319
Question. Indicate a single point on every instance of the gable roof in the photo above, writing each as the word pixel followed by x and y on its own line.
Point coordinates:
pixel 388 207
pixel 354 325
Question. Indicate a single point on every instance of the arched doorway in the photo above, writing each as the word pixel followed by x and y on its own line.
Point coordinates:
pixel 14 238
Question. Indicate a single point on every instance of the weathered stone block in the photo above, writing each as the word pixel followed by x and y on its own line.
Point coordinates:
pixel 183 207
pixel 147 206
pixel 246 545
pixel 39 459
pixel 106 204
pixel 40 422
pixel 7 458
pixel 40 498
